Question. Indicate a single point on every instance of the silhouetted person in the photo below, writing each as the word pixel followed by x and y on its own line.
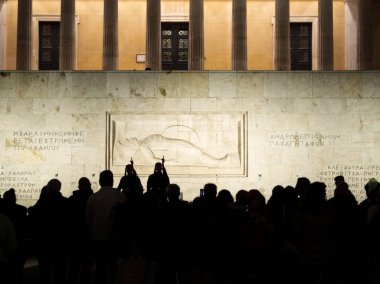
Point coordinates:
pixel 8 250
pixel 262 245
pixel 373 221
pixel 347 227
pixel 153 234
pixel 241 200
pixel 290 211
pixel 203 238
pixel 315 236
pixel 130 180
pixel 51 222
pixel 128 237
pixel 176 219
pixel 98 213
pixel 158 181
pixel 301 188
pixel 79 258
pixel 275 207
pixel 372 188
pixel 33 221
pixel 338 179
pixel 225 197
pixel 18 216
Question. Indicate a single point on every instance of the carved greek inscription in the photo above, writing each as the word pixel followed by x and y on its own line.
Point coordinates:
pixel 302 140
pixel 356 175
pixel 44 140
pixel 23 181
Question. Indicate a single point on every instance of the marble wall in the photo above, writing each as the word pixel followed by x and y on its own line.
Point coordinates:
pixel 281 125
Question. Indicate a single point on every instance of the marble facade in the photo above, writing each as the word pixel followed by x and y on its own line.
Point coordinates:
pixel 315 124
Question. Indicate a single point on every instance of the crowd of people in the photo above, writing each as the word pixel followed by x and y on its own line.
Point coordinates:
pixel 126 234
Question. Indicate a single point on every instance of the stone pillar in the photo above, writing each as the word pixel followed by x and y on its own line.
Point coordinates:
pixel 110 35
pixel 24 38
pixel 67 45
pixel 239 35
pixel 326 46
pixel 282 35
pixel 365 35
pixel 3 21
pixel 196 39
pixel 351 11
pixel 153 35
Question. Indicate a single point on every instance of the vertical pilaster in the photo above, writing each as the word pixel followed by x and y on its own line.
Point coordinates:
pixel 153 35
pixel 24 41
pixel 196 40
pixel 3 20
pixel 110 35
pixel 365 35
pixel 351 14
pixel 326 46
pixel 239 35
pixel 282 35
pixel 67 46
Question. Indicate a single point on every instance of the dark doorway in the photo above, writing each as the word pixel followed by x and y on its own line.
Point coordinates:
pixel 175 45
pixel 48 53
pixel 300 46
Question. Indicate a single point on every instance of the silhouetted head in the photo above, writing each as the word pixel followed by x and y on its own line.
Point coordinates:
pixel 198 206
pixel 342 190
pixel 278 191
pixel 10 196
pixel 128 169
pixel 173 191
pixel 210 190
pixel 371 189
pixel 242 197
pixel 338 179
pixel 53 186
pixel 302 185
pixel 158 167
pixel 316 192
pixel 256 201
pixel 290 195
pixel 106 178
pixel 225 196
pixel 84 183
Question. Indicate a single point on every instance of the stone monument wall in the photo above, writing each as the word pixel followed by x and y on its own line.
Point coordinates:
pixel 240 130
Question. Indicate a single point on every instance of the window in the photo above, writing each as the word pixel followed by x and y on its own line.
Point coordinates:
pixel 300 46
pixel 48 53
pixel 175 46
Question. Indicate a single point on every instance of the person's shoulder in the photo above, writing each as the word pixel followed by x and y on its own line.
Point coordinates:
pixel 121 195
pixel 92 197
pixel 184 202
pixel 65 200
pixel 21 208
pixel 5 221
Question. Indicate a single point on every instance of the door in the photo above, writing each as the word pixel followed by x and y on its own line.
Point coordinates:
pixel 300 46
pixel 48 53
pixel 175 46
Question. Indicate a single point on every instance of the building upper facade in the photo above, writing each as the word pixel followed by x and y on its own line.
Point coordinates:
pixel 134 40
